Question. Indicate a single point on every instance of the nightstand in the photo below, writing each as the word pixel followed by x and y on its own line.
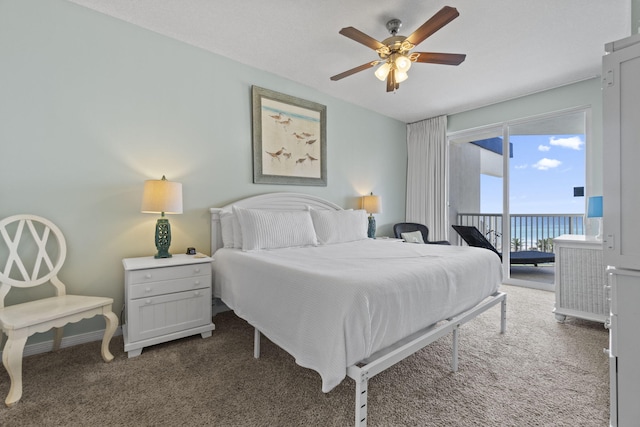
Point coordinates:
pixel 165 299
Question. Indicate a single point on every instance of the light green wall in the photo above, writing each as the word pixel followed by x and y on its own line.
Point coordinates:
pixel 90 107
pixel 583 94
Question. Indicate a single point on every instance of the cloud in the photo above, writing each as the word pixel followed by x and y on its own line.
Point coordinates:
pixel 543 148
pixel 546 164
pixel 575 143
pixel 521 166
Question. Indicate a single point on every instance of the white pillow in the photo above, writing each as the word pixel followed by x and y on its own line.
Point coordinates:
pixel 237 232
pixel 339 226
pixel 226 227
pixel 412 237
pixel 265 229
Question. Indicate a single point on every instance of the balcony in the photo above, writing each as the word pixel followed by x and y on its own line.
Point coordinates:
pixel 527 232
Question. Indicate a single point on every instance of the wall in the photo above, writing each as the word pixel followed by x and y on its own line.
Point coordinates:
pixel 90 107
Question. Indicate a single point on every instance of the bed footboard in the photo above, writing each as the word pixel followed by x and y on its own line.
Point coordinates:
pixel 361 373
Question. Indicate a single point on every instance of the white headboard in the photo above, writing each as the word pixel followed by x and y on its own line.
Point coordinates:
pixel 271 201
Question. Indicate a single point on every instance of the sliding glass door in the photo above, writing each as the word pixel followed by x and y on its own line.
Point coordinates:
pixel 521 184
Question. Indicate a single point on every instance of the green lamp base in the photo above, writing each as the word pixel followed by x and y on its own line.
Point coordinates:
pixel 163 238
pixel 371 229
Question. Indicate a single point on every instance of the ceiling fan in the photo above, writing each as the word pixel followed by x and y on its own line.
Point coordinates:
pixel 395 52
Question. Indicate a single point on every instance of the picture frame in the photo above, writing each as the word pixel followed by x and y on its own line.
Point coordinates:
pixel 289 139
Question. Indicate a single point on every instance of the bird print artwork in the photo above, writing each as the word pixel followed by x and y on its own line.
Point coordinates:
pixel 290 140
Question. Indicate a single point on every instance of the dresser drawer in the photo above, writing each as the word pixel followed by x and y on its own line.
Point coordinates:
pixel 141 290
pixel 168 273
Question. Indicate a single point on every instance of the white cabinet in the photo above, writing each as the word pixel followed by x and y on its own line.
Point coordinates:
pixel 580 278
pixel 621 202
pixel 624 347
pixel 621 153
pixel 166 299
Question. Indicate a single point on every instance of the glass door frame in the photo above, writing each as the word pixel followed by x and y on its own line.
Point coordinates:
pixel 502 129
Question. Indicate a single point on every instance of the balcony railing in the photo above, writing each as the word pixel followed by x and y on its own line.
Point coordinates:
pixel 528 231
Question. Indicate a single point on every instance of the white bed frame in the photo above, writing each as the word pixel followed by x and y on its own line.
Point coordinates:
pixel 383 359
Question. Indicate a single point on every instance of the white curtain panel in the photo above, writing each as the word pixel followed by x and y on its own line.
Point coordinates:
pixel 426 175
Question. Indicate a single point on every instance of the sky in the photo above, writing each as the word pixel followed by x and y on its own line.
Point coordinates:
pixel 543 171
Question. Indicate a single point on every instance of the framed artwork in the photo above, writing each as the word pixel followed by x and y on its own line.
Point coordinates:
pixel 289 139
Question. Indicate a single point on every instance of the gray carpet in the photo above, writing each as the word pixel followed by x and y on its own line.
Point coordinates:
pixel 541 373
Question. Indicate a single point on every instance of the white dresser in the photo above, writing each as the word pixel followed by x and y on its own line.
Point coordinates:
pixel 580 278
pixel 165 299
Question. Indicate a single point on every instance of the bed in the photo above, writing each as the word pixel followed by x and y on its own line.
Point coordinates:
pixel 301 271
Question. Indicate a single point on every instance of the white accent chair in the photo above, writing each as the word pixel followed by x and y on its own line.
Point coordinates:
pixel 21 251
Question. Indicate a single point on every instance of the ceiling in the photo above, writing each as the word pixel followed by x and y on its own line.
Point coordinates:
pixel 513 47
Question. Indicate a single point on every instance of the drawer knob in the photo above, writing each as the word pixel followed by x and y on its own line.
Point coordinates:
pixel 197 269
pixel 197 282
pixel 147 301
pixel 197 293
pixel 147 289
pixel 147 276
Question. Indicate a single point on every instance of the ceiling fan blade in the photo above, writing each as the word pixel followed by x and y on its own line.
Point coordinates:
pixel 439 58
pixel 437 21
pixel 361 37
pixel 355 70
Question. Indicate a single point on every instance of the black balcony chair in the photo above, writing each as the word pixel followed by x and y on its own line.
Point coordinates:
pixel 408 227
pixel 474 237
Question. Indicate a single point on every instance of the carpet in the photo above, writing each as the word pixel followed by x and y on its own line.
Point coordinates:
pixel 540 373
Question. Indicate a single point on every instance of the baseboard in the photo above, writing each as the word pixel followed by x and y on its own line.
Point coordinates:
pixel 70 341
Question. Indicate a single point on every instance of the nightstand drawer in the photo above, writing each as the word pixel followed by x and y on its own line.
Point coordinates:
pixel 168 273
pixel 165 314
pixel 142 290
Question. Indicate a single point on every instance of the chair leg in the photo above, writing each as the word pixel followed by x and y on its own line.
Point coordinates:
pixel 57 337
pixel 12 361
pixel 111 321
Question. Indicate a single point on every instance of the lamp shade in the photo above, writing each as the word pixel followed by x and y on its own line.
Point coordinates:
pixel 371 204
pixel 594 210
pixel 382 71
pixel 162 196
pixel 403 63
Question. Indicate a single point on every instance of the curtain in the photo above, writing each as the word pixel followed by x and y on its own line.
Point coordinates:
pixel 426 175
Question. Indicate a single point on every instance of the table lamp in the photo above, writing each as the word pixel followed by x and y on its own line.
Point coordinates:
pixel 371 204
pixel 163 197
pixel 594 210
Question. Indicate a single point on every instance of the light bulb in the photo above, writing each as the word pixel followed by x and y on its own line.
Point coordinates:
pixel 403 63
pixel 382 71
pixel 401 76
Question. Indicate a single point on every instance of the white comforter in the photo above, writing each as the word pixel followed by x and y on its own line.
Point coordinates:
pixel 335 305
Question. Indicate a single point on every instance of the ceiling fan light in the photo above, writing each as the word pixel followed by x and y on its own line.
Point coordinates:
pixel 382 71
pixel 401 76
pixel 403 63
